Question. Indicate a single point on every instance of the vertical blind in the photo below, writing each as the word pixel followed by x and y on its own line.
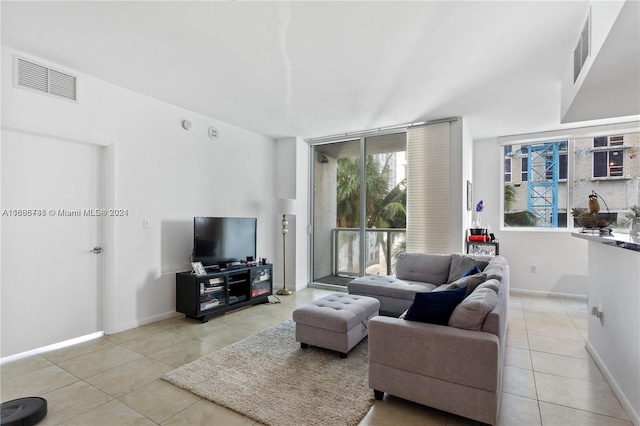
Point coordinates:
pixel 428 189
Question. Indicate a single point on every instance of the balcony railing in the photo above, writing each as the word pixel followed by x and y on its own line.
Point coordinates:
pixel 381 249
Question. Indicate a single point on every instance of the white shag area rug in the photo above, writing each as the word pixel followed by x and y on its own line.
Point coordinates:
pixel 269 378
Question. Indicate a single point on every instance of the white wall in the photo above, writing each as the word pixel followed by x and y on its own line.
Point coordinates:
pixel 614 341
pixel 461 170
pixel 285 175
pixel 292 181
pixel 603 16
pixel 467 175
pixel 560 261
pixel 303 239
pixel 158 171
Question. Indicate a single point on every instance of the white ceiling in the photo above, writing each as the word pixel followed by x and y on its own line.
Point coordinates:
pixel 313 69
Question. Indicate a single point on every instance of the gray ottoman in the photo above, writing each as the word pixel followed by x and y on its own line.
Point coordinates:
pixel 337 322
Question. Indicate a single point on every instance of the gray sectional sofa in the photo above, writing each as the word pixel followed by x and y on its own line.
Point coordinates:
pixel 456 367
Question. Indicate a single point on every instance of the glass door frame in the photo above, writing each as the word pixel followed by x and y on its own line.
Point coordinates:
pixel 362 228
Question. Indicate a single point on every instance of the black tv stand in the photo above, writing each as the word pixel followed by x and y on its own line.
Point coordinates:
pixel 233 267
pixel 204 296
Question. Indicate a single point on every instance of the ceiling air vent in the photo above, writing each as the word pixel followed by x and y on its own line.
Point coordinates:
pixel 583 48
pixel 30 75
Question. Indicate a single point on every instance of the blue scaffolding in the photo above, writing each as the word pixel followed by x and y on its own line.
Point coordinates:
pixel 542 191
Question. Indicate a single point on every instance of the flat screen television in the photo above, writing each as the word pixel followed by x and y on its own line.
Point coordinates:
pixel 221 240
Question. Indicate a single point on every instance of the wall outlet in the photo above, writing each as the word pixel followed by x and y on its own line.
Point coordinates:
pixel 597 312
pixel 533 269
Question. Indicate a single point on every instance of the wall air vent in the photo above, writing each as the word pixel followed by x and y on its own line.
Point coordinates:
pixel 583 48
pixel 29 75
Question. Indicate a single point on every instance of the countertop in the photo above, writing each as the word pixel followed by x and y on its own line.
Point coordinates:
pixel 624 241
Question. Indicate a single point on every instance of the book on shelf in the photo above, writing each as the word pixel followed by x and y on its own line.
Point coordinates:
pixel 212 289
pixel 209 305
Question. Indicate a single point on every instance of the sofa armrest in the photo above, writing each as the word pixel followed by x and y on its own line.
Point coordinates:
pixel 465 357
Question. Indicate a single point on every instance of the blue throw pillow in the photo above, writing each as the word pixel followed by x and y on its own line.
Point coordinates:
pixel 472 271
pixel 435 307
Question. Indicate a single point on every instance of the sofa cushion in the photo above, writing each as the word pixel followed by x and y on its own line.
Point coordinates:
pixel 424 267
pixel 493 284
pixel 494 273
pixel 435 307
pixel 442 287
pixel 388 286
pixel 461 263
pixel 469 282
pixel 496 267
pixel 499 262
pixel 471 312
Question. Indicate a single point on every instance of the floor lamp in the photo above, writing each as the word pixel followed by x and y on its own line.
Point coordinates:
pixel 285 206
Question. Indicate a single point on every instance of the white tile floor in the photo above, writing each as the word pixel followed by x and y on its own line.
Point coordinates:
pixel 549 378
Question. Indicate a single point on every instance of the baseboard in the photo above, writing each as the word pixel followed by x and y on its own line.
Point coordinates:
pixel 52 347
pixel 539 293
pixel 75 341
pixel 332 287
pixel 626 405
pixel 144 321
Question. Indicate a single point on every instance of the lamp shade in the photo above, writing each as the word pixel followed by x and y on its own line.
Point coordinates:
pixel 286 206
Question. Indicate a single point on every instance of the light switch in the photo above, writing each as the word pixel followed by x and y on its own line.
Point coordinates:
pixel 146 224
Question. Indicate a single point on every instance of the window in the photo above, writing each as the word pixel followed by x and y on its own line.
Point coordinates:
pixel 616 140
pixel 600 141
pixel 535 200
pixel 608 162
pixel 524 164
pixel 551 181
pixel 507 163
pixel 564 166
pixel 562 163
pixel 507 169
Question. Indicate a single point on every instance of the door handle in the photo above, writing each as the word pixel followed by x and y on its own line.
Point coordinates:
pixel 96 250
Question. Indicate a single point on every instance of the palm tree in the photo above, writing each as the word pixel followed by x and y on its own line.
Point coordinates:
pixel 385 208
pixel 348 183
pixel 634 214
pixel 521 218
pixel 509 197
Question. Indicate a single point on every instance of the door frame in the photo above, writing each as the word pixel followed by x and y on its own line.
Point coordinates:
pixel 108 199
pixel 362 231
pixel 312 203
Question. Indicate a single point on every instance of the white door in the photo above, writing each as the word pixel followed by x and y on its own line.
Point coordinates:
pixel 51 279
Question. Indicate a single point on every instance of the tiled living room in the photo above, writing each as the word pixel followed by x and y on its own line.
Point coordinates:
pixel 124 123
pixel 549 376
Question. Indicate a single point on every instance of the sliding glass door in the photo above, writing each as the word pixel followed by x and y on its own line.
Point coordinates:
pixel 359 207
pixel 336 188
pixel 386 205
